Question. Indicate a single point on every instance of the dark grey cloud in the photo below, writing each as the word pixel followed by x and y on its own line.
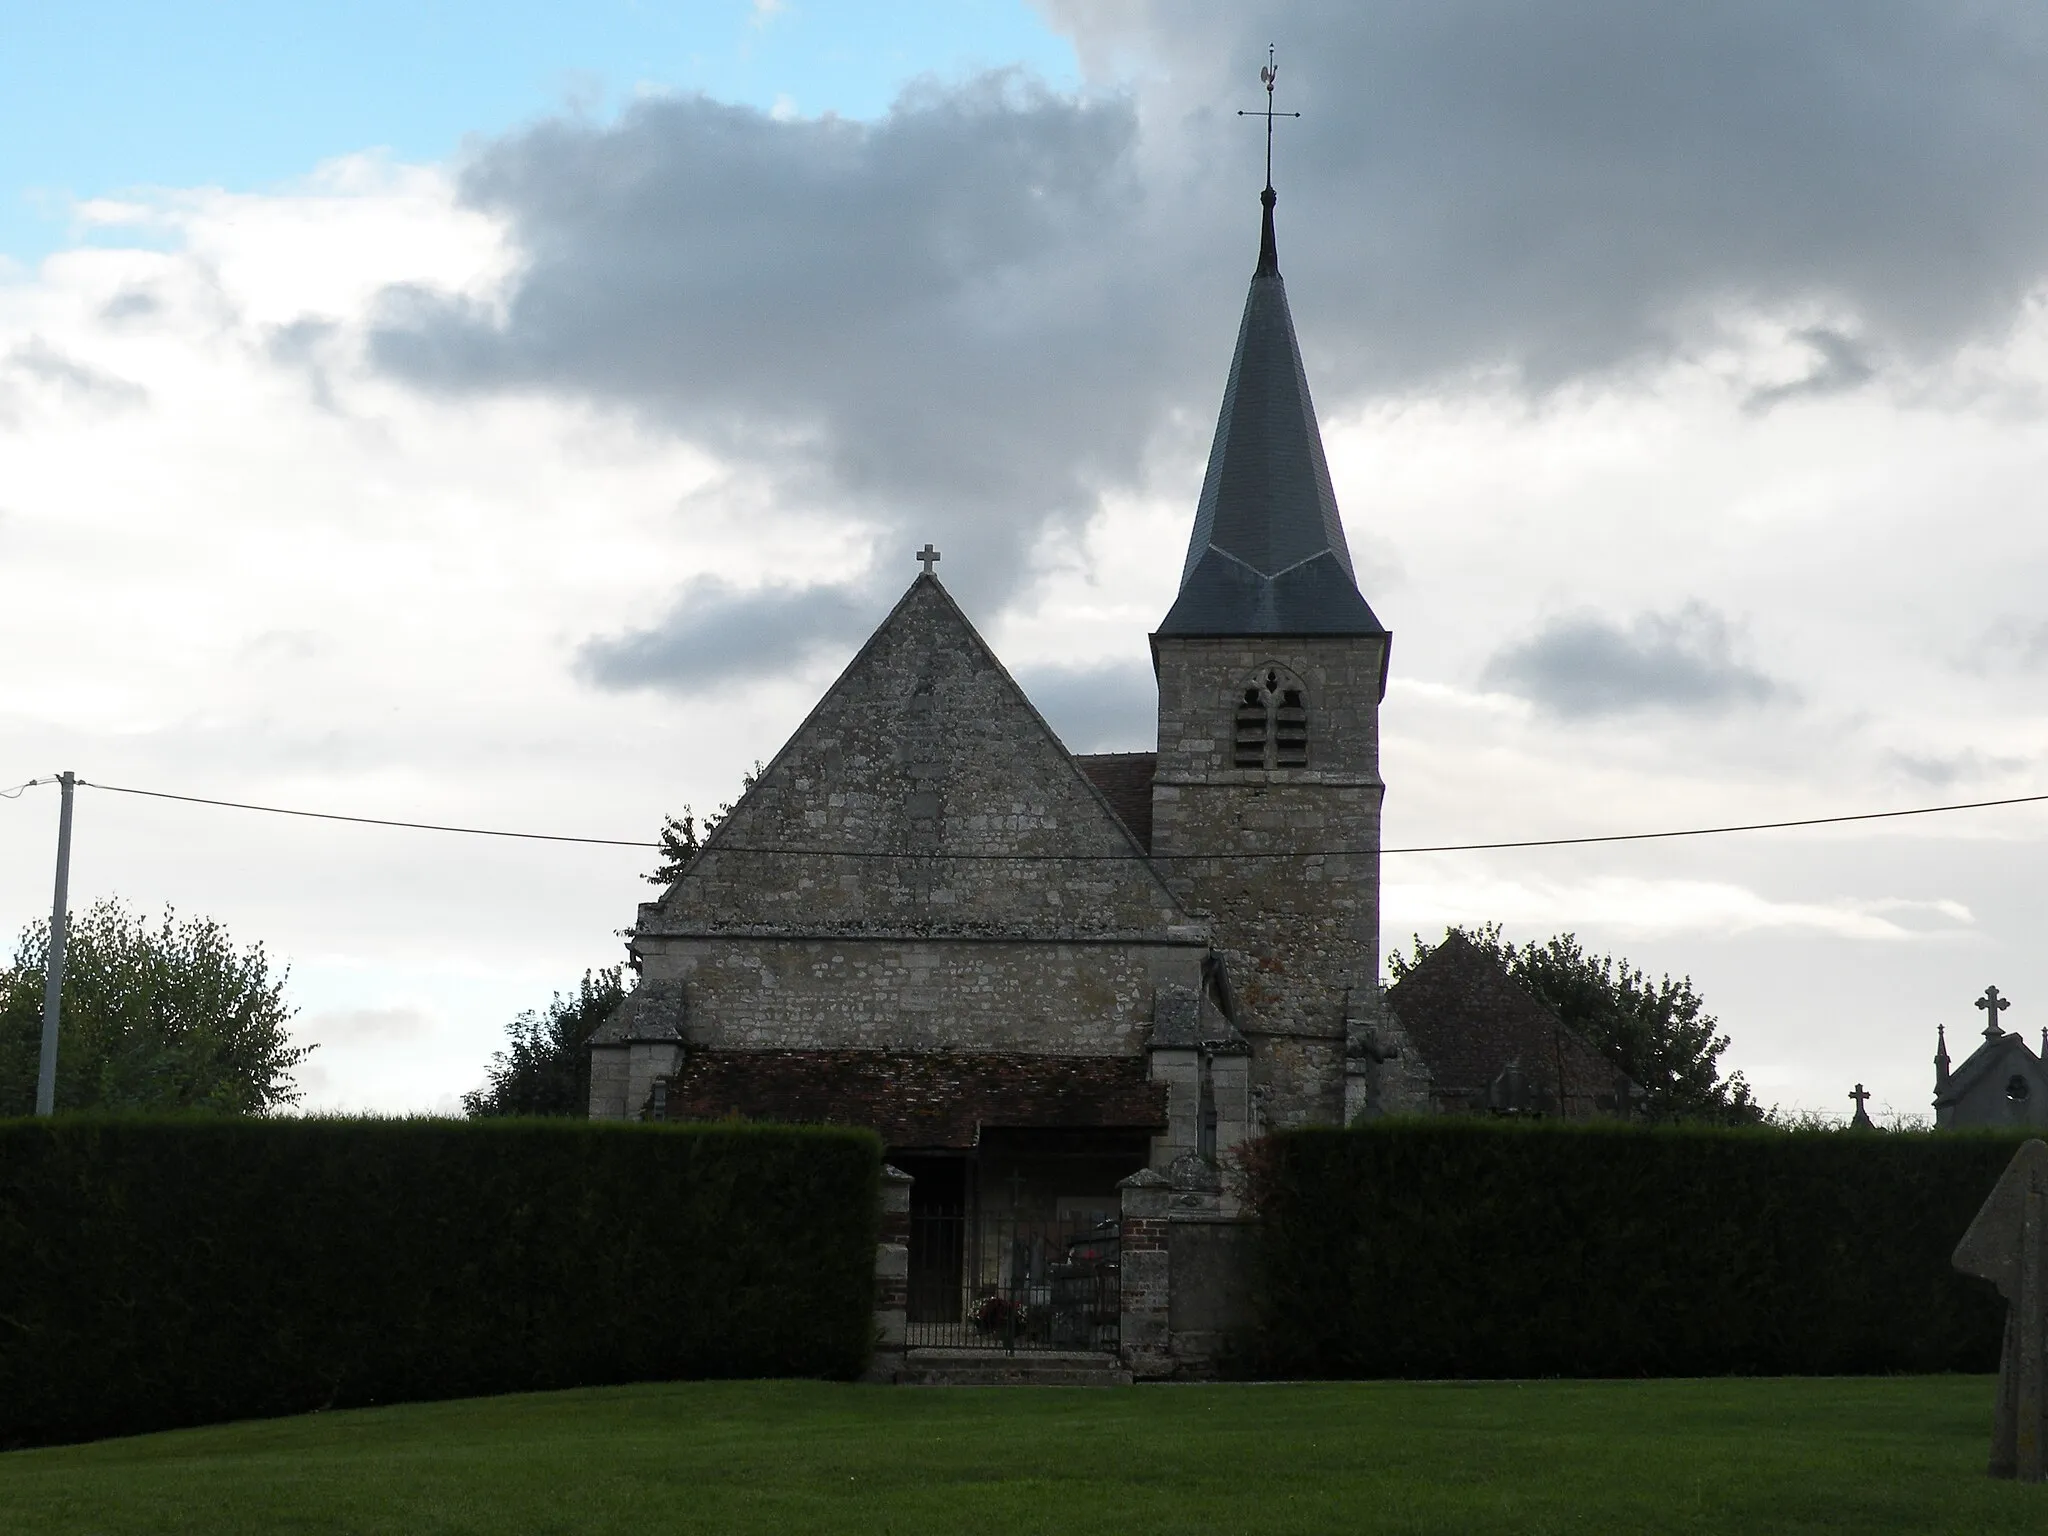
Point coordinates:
pixel 971 318
pixel 718 633
pixel 1584 665
pixel 909 320
pixel 1573 186
pixel 1112 707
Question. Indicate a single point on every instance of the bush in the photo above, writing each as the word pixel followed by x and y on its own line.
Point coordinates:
pixel 1474 1248
pixel 163 1272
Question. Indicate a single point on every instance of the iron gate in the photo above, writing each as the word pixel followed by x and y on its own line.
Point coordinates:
pixel 1004 1282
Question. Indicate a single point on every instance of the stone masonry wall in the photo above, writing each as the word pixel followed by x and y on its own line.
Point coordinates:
pixel 919 994
pixel 923 796
pixel 1297 930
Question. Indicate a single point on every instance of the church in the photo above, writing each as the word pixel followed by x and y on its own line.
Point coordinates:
pixel 1040 975
pixel 928 916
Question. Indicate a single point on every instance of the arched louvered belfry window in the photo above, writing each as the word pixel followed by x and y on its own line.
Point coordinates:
pixel 1270 723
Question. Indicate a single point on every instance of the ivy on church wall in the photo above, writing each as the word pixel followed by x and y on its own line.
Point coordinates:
pixel 1482 1249
pixel 156 1273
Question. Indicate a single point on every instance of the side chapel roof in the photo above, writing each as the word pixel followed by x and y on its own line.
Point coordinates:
pixel 1268 555
pixel 1125 779
pixel 1468 1019
pixel 920 1098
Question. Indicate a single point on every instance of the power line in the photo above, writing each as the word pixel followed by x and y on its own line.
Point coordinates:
pixel 933 855
pixel 368 821
pixel 1747 826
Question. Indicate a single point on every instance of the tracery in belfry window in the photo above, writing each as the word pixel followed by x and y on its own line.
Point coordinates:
pixel 1270 726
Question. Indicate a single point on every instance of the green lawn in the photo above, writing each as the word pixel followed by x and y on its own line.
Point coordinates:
pixel 1898 1454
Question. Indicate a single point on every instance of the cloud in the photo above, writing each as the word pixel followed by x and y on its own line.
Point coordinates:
pixel 1839 367
pixel 717 632
pixel 1571 187
pixel 38 360
pixel 130 304
pixel 1940 770
pixel 1631 905
pixel 1106 707
pixel 1584 665
pixel 352 1026
pixel 973 318
pixel 898 320
pixel 2010 642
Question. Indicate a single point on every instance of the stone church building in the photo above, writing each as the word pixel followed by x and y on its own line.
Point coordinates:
pixel 927 915
pixel 2000 1083
pixel 1039 974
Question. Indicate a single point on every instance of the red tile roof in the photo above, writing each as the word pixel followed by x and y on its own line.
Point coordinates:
pixel 1125 779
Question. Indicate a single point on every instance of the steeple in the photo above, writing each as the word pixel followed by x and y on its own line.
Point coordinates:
pixel 1268 555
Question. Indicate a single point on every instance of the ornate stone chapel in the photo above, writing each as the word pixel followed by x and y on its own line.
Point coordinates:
pixel 1043 978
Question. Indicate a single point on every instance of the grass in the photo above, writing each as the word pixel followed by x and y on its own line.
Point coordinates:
pixel 1865 1455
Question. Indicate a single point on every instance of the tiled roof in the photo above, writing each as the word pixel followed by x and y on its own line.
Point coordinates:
pixel 1268 554
pixel 1996 1054
pixel 1468 1018
pixel 915 1100
pixel 1125 779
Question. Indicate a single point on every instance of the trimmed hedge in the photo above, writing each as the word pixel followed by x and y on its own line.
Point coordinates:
pixel 1482 1249
pixel 156 1272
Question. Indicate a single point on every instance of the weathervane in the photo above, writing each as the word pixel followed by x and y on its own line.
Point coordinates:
pixel 1268 73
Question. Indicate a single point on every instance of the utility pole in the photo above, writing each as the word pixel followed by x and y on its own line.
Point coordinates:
pixel 53 973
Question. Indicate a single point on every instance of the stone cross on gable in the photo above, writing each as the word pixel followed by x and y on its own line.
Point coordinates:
pixel 1862 1120
pixel 1993 1005
pixel 928 556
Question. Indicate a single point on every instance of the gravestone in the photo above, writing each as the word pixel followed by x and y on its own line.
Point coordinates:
pixel 2007 1244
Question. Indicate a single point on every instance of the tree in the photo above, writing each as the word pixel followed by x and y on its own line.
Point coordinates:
pixel 545 1067
pixel 1661 1035
pixel 169 1017
pixel 679 844
pixel 681 837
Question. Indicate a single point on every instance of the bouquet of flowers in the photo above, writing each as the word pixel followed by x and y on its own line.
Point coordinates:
pixel 998 1314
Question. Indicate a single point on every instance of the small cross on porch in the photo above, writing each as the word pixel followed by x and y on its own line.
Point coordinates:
pixel 928 557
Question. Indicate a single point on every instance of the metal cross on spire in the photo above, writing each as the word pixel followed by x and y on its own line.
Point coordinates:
pixel 1268 73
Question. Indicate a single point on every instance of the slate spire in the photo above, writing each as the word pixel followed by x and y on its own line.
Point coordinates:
pixel 1268 555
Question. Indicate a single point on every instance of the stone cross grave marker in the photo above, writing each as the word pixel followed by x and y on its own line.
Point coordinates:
pixel 2007 1244
pixel 1862 1120
pixel 1993 1005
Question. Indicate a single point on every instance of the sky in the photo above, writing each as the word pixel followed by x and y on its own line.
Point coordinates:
pixel 516 417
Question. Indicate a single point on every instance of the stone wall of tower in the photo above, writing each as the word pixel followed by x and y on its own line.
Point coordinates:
pixel 1284 863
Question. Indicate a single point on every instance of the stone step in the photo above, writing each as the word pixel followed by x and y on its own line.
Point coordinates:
pixel 999 1368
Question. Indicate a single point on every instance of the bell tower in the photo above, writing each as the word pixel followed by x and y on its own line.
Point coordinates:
pixel 1271 668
